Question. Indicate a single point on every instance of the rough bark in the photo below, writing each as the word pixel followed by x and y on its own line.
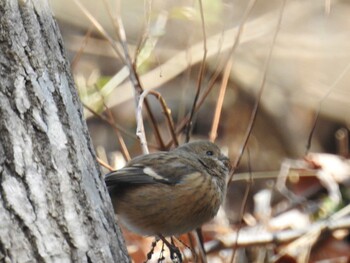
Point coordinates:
pixel 54 206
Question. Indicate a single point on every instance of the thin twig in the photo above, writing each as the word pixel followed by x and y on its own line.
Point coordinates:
pixel 200 75
pixel 312 130
pixel 121 141
pixel 136 82
pixel 167 113
pixel 244 202
pixel 150 33
pixel 99 28
pixel 329 91
pixel 219 103
pixel 227 57
pixel 192 246
pixel 126 60
pixel 81 48
pixel 114 125
pixel 146 26
pixel 132 74
pixel 114 18
pixel 155 127
pixel 262 86
pixel 140 130
pixel 272 175
pixel 182 124
pixel 261 238
pixel 122 145
pixel 111 118
pixel 212 81
pixel 200 242
pixel 104 164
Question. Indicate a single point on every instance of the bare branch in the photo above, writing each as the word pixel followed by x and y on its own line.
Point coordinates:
pixel 140 130
pixel 104 164
pixel 200 76
pixel 325 96
pixel 100 28
pixel 257 103
pixel 167 113
pixel 261 238
pixel 219 103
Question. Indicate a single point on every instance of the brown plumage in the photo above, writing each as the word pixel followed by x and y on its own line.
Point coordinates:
pixel 170 193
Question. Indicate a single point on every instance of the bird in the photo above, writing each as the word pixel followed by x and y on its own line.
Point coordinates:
pixel 170 193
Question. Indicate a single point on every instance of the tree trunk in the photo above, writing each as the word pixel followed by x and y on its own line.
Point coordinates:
pixel 54 206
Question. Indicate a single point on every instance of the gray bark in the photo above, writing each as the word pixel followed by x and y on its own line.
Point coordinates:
pixel 54 206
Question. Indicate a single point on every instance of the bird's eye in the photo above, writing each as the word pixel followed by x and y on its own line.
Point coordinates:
pixel 210 153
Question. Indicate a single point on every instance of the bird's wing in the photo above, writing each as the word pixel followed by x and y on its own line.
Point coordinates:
pixel 151 169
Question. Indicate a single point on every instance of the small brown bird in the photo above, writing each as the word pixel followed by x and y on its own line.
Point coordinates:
pixel 170 193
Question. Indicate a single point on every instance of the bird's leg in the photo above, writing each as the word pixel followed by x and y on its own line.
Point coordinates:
pixel 201 248
pixel 172 248
pixel 150 253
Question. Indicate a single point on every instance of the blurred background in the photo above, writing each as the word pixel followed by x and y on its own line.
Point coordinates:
pixel 295 53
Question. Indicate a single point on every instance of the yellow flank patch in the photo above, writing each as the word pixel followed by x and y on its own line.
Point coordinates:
pixel 193 177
